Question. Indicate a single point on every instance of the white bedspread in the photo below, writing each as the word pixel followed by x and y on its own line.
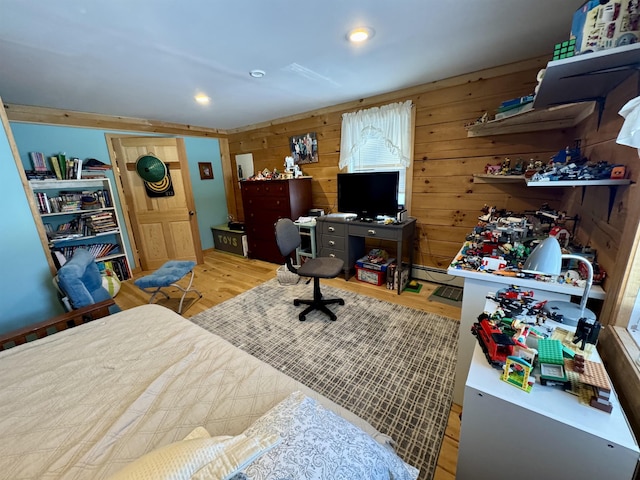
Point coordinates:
pixel 84 402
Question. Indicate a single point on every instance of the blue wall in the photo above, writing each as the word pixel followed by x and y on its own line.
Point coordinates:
pixel 209 195
pixel 74 142
pixel 28 296
pixel 27 292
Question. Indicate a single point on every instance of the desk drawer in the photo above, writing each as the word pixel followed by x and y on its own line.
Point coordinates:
pixel 332 241
pixel 373 231
pixel 329 228
pixel 333 252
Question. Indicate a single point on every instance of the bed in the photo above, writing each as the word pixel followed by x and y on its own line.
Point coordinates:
pixel 126 393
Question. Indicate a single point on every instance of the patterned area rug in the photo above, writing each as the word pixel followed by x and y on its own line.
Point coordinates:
pixel 391 365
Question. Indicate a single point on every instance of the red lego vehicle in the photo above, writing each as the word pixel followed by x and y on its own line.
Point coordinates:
pixel 496 345
pixel 514 293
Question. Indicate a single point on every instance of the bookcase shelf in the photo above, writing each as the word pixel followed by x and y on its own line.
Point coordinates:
pixel 92 222
pixel 75 212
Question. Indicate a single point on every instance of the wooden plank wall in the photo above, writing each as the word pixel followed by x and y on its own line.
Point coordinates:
pixel 596 228
pixel 445 200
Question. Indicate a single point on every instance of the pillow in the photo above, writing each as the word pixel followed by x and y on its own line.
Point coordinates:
pixel 319 444
pixel 198 457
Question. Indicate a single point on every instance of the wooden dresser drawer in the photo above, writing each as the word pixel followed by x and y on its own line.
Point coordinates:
pixel 266 202
pixel 271 188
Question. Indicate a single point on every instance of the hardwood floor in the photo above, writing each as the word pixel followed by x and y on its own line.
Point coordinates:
pixel 223 276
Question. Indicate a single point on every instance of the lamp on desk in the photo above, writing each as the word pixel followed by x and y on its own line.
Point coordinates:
pixel 546 259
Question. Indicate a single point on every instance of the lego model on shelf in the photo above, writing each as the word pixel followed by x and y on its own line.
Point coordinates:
pixel 81 214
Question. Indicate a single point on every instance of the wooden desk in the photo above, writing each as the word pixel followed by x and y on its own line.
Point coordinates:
pixel 508 433
pixel 345 239
pixel 476 287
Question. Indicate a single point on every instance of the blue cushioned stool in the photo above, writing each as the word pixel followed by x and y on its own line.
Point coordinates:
pixel 167 276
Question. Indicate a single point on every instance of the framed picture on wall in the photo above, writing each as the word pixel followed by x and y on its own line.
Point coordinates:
pixel 304 148
pixel 206 170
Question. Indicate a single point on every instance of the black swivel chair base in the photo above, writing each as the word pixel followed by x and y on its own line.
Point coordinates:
pixel 318 303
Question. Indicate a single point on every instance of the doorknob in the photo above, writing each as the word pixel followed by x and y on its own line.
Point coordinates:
pixel 192 213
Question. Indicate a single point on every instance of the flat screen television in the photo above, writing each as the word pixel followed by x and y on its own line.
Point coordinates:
pixel 368 194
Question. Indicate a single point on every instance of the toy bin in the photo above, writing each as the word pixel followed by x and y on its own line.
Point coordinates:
pixel 374 277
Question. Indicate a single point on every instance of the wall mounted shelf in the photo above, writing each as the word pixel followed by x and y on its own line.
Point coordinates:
pixel 488 178
pixel 569 91
pixel 587 77
pixel 613 184
pixel 562 116
pixel 579 183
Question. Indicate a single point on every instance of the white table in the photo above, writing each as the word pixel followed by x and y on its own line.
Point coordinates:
pixel 476 287
pixel 507 433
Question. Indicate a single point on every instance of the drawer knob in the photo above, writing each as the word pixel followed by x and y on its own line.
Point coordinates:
pixel 332 243
pixel 331 229
pixel 371 232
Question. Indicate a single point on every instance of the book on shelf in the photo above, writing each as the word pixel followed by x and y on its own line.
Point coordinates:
pixel 77 162
pixel 119 266
pixel 62 160
pixel 55 166
pixel 42 200
pixel 37 160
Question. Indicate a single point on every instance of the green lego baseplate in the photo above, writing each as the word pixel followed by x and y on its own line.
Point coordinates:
pixel 550 351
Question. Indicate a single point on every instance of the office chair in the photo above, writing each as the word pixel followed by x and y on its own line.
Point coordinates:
pixel 288 239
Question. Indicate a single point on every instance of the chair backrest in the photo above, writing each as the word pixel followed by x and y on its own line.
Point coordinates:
pixel 81 281
pixel 287 236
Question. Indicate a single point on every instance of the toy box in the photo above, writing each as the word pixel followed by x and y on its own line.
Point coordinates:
pixel 374 277
pixel 227 240
pixel 364 263
pixel 599 27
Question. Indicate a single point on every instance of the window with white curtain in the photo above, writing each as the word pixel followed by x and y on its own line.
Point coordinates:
pixel 378 139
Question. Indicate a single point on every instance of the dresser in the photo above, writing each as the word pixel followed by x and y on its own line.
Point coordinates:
pixel 264 202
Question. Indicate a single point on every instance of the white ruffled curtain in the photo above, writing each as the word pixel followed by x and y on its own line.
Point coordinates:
pixel 390 122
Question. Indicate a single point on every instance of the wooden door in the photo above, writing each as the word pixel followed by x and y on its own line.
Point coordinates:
pixel 165 228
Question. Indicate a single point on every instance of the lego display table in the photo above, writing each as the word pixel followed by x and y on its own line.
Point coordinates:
pixel 547 433
pixel 476 287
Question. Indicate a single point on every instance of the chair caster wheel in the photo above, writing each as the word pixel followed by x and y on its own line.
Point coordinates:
pixel 341 302
pixel 302 318
pixel 296 303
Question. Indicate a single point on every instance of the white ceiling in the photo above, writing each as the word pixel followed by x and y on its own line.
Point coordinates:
pixel 148 58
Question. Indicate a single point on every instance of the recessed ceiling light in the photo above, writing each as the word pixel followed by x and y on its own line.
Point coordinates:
pixel 202 99
pixel 257 73
pixel 360 34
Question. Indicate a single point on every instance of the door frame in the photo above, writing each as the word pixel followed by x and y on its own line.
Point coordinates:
pixel 131 232
pixel 123 199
